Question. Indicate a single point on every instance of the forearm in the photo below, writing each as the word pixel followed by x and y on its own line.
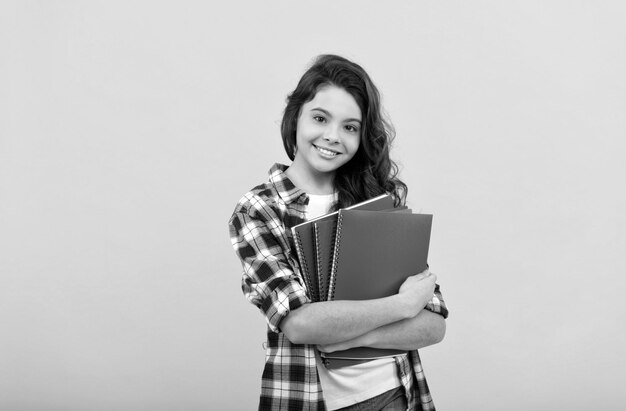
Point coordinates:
pixel 426 328
pixel 330 322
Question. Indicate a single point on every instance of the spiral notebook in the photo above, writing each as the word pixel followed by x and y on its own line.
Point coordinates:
pixel 324 237
pixel 374 253
pixel 303 236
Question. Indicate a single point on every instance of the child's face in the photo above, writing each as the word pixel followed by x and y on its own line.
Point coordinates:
pixel 329 131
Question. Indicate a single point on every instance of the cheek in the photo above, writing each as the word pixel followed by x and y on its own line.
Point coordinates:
pixel 304 131
pixel 352 146
pixel 300 133
pixel 355 143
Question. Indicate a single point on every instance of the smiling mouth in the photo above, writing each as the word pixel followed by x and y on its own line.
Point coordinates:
pixel 326 151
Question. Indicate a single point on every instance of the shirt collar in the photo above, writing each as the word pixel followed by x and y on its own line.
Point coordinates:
pixel 284 186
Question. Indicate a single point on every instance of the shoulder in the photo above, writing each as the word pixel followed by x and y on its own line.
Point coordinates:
pixel 274 192
pixel 260 201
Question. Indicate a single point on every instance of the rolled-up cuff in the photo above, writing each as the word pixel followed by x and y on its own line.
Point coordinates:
pixel 280 303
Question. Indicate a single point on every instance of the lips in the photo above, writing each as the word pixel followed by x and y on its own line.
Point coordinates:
pixel 327 152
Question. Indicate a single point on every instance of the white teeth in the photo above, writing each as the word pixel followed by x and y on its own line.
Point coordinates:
pixel 326 152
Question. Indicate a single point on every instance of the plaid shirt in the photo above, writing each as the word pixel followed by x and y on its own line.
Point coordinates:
pixel 261 236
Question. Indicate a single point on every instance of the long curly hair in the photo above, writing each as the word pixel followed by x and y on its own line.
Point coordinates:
pixel 371 171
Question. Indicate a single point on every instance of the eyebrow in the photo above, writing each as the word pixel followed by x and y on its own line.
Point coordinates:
pixel 330 115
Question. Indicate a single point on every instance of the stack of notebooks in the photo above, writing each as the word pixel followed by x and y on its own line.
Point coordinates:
pixel 362 252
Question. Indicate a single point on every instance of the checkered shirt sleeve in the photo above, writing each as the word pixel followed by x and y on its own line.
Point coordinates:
pixel 268 280
pixel 437 304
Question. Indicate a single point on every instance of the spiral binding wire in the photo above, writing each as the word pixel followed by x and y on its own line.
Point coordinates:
pixel 316 234
pixel 304 266
pixel 333 272
pixel 329 263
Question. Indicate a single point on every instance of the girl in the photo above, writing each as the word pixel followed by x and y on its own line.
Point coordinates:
pixel 335 135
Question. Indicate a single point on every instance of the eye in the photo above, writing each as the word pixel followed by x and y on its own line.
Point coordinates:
pixel 352 129
pixel 319 119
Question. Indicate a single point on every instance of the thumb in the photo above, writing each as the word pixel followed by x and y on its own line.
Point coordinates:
pixel 423 274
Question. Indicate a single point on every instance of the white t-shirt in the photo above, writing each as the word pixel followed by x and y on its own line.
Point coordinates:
pixel 350 385
pixel 319 204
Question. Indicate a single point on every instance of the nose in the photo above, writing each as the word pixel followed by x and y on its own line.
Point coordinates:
pixel 332 135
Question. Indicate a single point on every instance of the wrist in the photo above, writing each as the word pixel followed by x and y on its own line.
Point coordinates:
pixel 406 306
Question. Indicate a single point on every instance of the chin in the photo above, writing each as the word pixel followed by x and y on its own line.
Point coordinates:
pixel 328 168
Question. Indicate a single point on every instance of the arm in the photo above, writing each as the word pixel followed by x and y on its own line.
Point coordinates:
pixel 331 322
pixel 425 329
pixel 268 280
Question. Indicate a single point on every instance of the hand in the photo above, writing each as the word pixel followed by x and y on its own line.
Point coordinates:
pixel 417 291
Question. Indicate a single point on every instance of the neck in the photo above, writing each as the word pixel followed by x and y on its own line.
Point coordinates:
pixel 320 183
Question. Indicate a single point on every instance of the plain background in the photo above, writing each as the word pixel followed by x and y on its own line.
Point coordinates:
pixel 128 131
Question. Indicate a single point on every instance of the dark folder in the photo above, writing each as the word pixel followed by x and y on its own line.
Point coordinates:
pixel 374 253
pixel 303 235
pixel 324 236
